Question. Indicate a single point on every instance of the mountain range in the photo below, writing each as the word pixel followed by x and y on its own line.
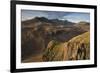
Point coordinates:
pixel 36 33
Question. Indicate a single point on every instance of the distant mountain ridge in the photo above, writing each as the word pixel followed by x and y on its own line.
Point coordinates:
pixel 46 20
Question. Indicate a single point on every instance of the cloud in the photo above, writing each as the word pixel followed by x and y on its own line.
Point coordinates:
pixel 72 16
pixel 77 17
pixel 56 15
pixel 29 14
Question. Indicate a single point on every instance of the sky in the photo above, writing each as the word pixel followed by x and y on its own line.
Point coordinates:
pixel 71 16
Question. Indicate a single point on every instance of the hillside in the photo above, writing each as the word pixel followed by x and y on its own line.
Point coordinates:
pixel 83 25
pixel 55 51
pixel 38 32
pixel 78 48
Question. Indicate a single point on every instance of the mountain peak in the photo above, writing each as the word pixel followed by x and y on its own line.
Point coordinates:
pixel 41 18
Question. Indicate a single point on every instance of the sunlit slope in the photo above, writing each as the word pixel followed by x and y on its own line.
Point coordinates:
pixel 55 52
pixel 78 48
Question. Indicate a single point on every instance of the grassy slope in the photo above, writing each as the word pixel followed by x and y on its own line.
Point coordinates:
pixel 55 52
pixel 78 48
